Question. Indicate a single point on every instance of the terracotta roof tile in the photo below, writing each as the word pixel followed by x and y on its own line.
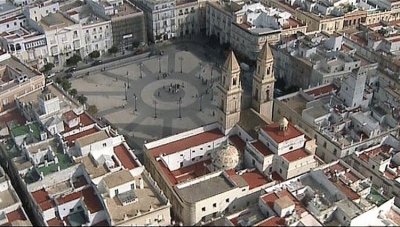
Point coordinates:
pixel 42 198
pixel 70 197
pixel 238 143
pixel 264 150
pixel 55 222
pixel 278 135
pixel 254 179
pixel 72 138
pixel 273 221
pixel 269 199
pixel 16 215
pixel 322 90
pixel 69 115
pixel 125 157
pixel 91 200
pixel 346 190
pixel 295 155
pixel 84 120
pixel 186 143
pixel 13 115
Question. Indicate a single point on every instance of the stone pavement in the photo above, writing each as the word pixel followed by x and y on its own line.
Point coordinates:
pixel 161 98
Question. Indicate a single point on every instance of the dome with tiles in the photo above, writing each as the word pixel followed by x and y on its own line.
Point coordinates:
pixel 226 158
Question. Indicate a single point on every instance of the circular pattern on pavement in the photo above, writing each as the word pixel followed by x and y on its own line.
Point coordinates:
pixel 166 101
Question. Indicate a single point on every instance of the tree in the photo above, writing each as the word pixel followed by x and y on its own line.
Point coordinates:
pixel 113 50
pixel 82 99
pixel 92 109
pixel 73 92
pixel 47 67
pixel 74 60
pixel 95 54
pixel 65 84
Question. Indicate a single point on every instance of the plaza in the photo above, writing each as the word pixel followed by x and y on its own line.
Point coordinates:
pixel 154 97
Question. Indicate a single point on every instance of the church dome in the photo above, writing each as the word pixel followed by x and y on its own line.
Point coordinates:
pixel 226 158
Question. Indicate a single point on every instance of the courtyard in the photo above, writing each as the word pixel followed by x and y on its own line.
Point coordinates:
pixel 154 97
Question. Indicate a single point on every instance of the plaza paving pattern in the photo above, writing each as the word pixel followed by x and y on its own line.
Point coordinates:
pixel 157 102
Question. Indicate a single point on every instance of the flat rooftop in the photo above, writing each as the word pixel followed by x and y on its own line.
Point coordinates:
pixel 125 157
pixel 92 138
pixel 7 199
pixel 34 98
pixel 12 63
pixel 55 21
pixel 93 170
pixel 72 138
pixel 186 143
pixel 278 135
pixel 146 198
pixel 296 155
pixel 205 189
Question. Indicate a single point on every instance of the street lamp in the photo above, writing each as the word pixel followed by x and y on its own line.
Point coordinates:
pixel 201 67
pixel 201 100
pixel 125 86
pixel 181 59
pixel 127 77
pixel 159 64
pixel 135 99
pixel 155 109
pixel 179 105
pixel 211 74
pixel 140 66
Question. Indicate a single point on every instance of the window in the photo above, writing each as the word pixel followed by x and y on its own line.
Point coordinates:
pixel 116 191
pixel 214 205
pixel 227 200
pixel 193 159
pixel 132 186
pixel 280 170
pixel 291 148
pixel 373 166
pixel 203 209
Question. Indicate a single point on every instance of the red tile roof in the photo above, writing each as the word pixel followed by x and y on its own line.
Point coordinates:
pixel 351 176
pixel 80 181
pixel 84 120
pixel 16 215
pixel 186 143
pixel 72 138
pixel 70 115
pixel 299 208
pixel 70 197
pixel 255 179
pixel 91 200
pixel 374 152
pixel 13 115
pixel 55 222
pixel 273 221
pixel 264 150
pixel 338 167
pixel 346 190
pixel 322 90
pixel 238 142
pixel 278 135
pixel 296 155
pixel 185 173
pixel 269 199
pixel 42 198
pixel 125 157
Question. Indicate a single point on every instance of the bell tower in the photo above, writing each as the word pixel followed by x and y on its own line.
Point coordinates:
pixel 263 83
pixel 230 89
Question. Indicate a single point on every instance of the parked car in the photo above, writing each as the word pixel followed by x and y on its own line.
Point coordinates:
pixel 70 70
pixel 50 75
pixel 97 62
